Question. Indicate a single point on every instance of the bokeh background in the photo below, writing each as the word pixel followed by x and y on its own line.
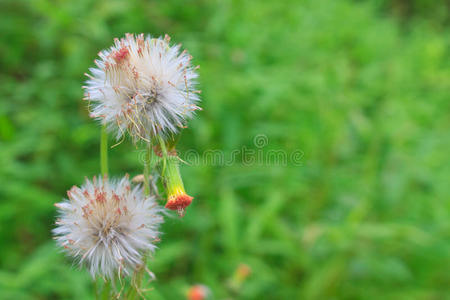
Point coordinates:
pixel 360 87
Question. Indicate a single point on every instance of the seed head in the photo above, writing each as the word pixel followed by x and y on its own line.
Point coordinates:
pixel 108 225
pixel 143 86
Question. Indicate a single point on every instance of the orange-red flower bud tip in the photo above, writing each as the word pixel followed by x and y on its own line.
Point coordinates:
pixel 198 292
pixel 179 202
pixel 243 271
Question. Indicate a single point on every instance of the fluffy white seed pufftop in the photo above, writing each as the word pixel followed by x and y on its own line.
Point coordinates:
pixel 108 225
pixel 143 86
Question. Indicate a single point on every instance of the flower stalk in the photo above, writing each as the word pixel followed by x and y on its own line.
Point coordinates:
pixel 104 151
pixel 106 290
pixel 147 163
pixel 139 272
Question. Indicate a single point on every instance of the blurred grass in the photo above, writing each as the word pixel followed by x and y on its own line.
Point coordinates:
pixel 360 87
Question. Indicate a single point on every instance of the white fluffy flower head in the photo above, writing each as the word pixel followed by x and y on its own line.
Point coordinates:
pixel 143 86
pixel 108 225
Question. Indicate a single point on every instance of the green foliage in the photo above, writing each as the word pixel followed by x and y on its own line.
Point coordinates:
pixel 361 89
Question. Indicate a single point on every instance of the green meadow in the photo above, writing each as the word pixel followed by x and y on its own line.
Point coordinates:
pixel 320 159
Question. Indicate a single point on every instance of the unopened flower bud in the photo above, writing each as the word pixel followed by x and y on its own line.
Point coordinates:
pixel 198 292
pixel 177 199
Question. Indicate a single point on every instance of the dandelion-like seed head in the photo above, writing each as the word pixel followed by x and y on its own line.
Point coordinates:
pixel 108 225
pixel 143 86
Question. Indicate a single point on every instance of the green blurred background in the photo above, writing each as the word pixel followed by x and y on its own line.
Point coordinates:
pixel 360 87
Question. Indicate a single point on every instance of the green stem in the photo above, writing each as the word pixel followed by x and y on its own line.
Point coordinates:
pixel 137 279
pixel 104 151
pixel 96 289
pixel 147 162
pixel 104 171
pixel 132 293
pixel 162 144
pixel 106 290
